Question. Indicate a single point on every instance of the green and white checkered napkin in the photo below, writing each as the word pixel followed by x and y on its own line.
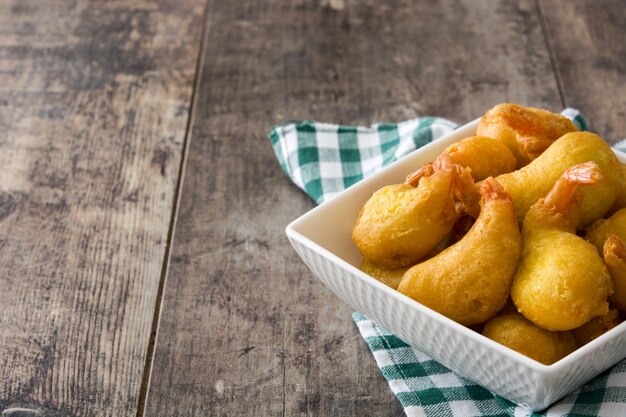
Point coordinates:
pixel 323 160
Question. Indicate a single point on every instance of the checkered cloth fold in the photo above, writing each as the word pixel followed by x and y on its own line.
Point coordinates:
pixel 323 160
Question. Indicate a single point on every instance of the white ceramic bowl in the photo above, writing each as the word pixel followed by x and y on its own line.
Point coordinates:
pixel 322 238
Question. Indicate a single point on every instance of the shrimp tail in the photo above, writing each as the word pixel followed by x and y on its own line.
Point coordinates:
pixel 585 173
pixel 563 194
pixel 615 246
pixel 465 191
pixel 442 162
pixel 425 170
pixel 490 189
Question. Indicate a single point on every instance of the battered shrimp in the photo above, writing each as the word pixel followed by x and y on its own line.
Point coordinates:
pixel 470 280
pixel 402 223
pixel 516 332
pixel 526 131
pixel 608 236
pixel 486 157
pixel 529 184
pixel 599 231
pixel 561 282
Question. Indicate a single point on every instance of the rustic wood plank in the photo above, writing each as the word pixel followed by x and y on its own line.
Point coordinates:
pixel 94 102
pixel 588 41
pixel 245 329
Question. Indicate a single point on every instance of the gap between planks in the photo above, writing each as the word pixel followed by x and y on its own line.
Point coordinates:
pixel 551 54
pixel 147 373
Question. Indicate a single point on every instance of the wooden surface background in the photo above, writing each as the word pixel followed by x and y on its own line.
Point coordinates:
pixel 143 265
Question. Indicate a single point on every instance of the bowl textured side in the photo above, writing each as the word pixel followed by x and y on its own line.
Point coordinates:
pixel 447 342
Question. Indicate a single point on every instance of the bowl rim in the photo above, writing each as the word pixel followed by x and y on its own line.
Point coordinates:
pixel 292 232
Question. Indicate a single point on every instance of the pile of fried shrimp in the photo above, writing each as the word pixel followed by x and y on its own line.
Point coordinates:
pixel 517 233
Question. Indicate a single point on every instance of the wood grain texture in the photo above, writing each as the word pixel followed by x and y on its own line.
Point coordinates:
pixel 245 329
pixel 94 102
pixel 588 40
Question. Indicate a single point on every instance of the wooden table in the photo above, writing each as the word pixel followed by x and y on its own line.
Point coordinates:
pixel 143 265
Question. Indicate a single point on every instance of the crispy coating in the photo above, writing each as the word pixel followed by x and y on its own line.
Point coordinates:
pixel 529 184
pixel 527 131
pixel 561 282
pixel 596 327
pixel 400 224
pixel 520 334
pixel 484 156
pixel 615 259
pixel 389 277
pixel 469 281
pixel 600 230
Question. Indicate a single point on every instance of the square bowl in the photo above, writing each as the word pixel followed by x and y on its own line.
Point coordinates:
pixel 323 239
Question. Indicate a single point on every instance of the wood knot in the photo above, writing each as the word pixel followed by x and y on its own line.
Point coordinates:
pixel 9 202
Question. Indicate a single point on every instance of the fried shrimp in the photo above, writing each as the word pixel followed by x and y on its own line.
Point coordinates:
pixel 561 282
pixel 486 157
pixel 470 280
pixel 526 131
pixel 600 230
pixel 402 223
pixel 608 236
pixel 520 334
pixel 529 184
